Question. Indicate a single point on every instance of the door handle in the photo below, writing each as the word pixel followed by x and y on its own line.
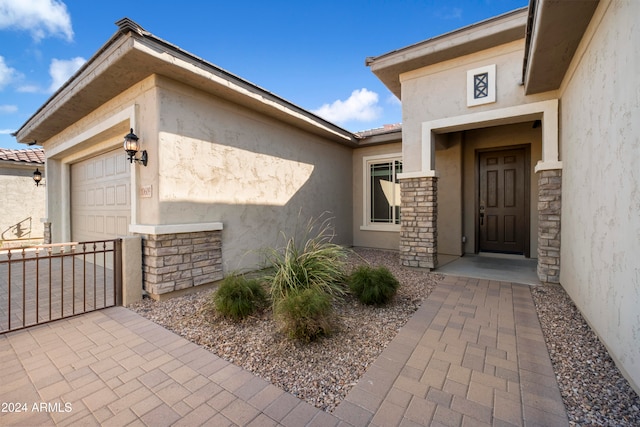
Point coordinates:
pixel 481 215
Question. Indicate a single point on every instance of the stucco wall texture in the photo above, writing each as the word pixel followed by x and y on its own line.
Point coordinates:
pixel 218 162
pixel 600 117
pixel 22 203
pixel 440 90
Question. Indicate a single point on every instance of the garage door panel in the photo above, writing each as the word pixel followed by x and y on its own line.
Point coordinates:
pixel 100 203
pixel 122 196
pixel 111 196
pixel 98 169
pixel 123 225
pixel 122 166
pixel 109 167
pixel 110 222
pixel 99 224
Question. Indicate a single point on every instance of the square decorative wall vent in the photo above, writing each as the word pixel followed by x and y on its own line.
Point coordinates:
pixel 481 85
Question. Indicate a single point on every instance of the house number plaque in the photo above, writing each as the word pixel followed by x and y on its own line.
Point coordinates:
pixel 146 192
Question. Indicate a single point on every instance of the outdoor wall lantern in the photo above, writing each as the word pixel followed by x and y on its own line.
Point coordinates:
pixel 37 177
pixel 131 146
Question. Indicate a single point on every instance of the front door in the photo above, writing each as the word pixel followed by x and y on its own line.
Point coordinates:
pixel 502 204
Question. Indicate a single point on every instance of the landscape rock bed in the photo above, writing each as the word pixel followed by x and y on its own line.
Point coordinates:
pixel 322 372
pixel 593 389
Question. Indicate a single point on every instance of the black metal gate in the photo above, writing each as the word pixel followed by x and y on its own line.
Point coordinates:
pixel 40 284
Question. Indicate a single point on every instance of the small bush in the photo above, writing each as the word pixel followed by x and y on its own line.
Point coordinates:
pixel 306 314
pixel 373 286
pixel 238 297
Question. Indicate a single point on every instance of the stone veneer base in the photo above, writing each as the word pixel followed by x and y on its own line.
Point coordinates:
pixel 178 261
pixel 549 211
pixel 419 214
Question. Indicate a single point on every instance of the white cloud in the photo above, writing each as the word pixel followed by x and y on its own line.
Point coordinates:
pixel 447 13
pixel 39 17
pixel 6 131
pixel 8 109
pixel 393 100
pixel 7 74
pixel 61 69
pixel 361 106
pixel 28 89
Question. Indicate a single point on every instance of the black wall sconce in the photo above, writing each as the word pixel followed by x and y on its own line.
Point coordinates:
pixel 131 146
pixel 37 177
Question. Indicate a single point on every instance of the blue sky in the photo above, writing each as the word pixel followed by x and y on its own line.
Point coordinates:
pixel 310 53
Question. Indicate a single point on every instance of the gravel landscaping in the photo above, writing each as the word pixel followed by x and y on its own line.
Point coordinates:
pixel 593 389
pixel 323 372
pixel 320 372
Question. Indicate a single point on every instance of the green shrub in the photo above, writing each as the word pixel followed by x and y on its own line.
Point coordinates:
pixel 305 314
pixel 316 263
pixel 373 286
pixel 237 297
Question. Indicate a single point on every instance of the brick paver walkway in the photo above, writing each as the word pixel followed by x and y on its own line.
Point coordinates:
pixel 473 354
pixel 116 368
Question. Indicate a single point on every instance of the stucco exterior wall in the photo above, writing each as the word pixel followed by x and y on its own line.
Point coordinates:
pixel 600 128
pixel 370 238
pixel 440 91
pixel 219 162
pixel 22 204
pixel 450 202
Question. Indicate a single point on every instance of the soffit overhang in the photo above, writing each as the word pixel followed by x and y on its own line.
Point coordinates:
pixel 474 38
pixel 131 56
pixel 554 30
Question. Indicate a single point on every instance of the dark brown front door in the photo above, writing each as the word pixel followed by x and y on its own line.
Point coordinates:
pixel 502 214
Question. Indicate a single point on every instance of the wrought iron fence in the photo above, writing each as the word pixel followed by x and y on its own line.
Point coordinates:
pixel 43 283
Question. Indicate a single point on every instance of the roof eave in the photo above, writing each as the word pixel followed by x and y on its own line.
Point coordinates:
pixel 473 38
pixel 389 137
pixel 554 31
pixel 131 41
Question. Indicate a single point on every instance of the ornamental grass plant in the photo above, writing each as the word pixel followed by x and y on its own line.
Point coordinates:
pixel 308 260
pixel 306 275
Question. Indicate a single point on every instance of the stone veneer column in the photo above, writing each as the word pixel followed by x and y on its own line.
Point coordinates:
pixel 418 230
pixel 176 261
pixel 549 209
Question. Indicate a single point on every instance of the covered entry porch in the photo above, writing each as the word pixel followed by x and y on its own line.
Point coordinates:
pixel 449 205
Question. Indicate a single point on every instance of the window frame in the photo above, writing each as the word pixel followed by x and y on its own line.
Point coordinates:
pixel 367 161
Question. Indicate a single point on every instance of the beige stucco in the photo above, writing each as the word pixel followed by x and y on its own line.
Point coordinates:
pixel 363 236
pixel 218 162
pixel 439 91
pixel 210 161
pixel 23 204
pixel 600 116
pixel 450 196
pixel 131 272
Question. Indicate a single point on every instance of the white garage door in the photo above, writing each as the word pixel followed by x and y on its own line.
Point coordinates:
pixel 101 197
